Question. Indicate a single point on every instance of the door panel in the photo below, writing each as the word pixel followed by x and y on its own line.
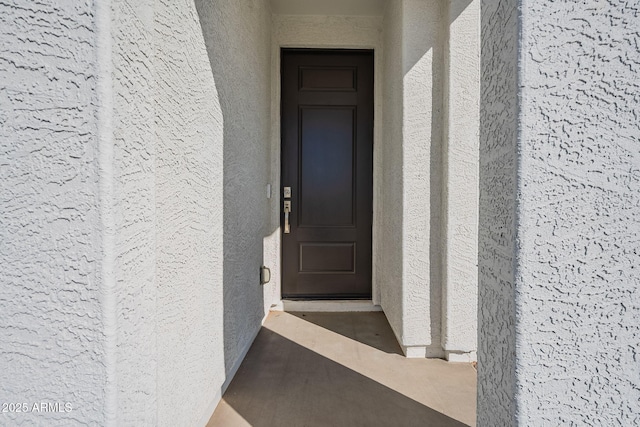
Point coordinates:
pixel 327 157
pixel 316 257
pixel 326 167
pixel 328 78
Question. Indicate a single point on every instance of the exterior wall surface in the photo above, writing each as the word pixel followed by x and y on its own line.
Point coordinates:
pixel 410 273
pixel 422 67
pixel 189 237
pixel 460 180
pixel 130 177
pixel 238 39
pixel 388 261
pixel 571 339
pixel 133 207
pixel 51 278
pixel 497 234
pixel 578 301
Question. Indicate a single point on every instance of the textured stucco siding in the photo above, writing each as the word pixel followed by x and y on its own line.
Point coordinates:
pixel 560 192
pixel 460 174
pixel 51 334
pixel 134 160
pixel 238 41
pixel 578 275
pixel 189 198
pixel 422 67
pixel 428 201
pixel 389 259
pixel 497 239
pixel 133 209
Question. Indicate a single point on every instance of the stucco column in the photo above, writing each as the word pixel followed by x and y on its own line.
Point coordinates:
pixel 460 180
pixel 421 141
pixel 559 201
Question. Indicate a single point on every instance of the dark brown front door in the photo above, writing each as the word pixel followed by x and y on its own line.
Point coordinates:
pixel 327 161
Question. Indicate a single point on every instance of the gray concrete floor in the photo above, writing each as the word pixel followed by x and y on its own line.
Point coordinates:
pixel 342 369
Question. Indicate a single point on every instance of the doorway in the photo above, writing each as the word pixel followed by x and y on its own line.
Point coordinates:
pixel 327 173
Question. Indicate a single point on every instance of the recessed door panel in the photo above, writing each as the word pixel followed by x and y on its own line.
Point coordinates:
pixel 323 258
pixel 328 78
pixel 326 167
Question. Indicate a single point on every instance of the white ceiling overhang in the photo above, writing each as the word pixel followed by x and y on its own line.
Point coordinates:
pixel 328 7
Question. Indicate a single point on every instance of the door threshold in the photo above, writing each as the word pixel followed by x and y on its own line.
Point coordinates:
pixel 335 306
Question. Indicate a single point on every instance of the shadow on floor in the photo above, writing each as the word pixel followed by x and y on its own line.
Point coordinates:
pixel 371 329
pixel 282 383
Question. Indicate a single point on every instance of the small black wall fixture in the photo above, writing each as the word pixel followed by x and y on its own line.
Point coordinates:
pixel 265 275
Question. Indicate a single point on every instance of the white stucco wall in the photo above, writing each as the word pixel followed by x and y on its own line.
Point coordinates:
pixel 133 206
pixel 388 260
pixel 189 192
pixel 496 237
pixel 51 323
pixel 422 50
pixel 460 180
pixel 238 37
pixel 570 341
pixel 190 115
pixel 578 300
pixel 412 160
pixel 130 177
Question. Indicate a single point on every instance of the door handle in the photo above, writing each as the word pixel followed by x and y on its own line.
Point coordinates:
pixel 287 210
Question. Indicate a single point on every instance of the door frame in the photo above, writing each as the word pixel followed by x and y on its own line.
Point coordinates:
pixel 336 35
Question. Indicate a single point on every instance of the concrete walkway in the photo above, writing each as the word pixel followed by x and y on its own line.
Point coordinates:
pixel 342 369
